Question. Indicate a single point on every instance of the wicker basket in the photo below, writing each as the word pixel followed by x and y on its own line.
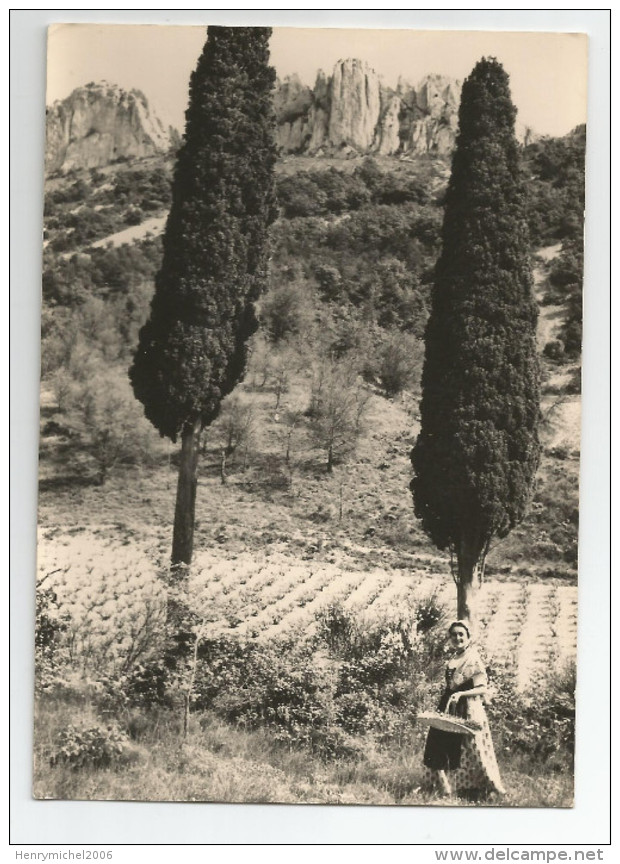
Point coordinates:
pixel 449 723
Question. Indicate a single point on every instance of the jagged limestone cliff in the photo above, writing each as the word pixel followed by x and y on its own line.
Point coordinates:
pixel 347 113
pixel 99 123
pixel 353 112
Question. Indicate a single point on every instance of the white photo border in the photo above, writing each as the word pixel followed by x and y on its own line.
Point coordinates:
pixel 44 822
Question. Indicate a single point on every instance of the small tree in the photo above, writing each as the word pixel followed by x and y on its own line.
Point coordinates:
pixel 286 311
pixel 192 350
pixel 337 409
pixel 398 364
pixel 285 361
pixel 478 450
pixel 109 423
pixel 237 426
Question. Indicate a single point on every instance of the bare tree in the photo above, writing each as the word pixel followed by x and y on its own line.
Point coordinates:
pixel 337 409
pixel 237 427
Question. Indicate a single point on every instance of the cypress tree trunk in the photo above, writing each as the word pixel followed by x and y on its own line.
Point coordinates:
pixel 183 535
pixel 470 567
pixel 466 598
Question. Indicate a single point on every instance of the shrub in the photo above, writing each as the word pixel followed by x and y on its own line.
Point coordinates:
pixel 329 280
pixel 556 191
pixel 428 614
pixel 399 363
pixel 336 627
pixel 554 350
pixel 574 385
pixel 350 679
pixel 286 311
pixel 110 424
pixel 310 193
pixel 145 684
pixel 385 670
pixel 346 334
pixel 50 624
pixel 133 216
pixel 260 685
pixel 572 334
pixel 537 725
pixel 88 747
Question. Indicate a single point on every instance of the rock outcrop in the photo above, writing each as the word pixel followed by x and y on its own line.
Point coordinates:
pixel 355 106
pixel 293 103
pixel 352 112
pixel 347 113
pixel 99 123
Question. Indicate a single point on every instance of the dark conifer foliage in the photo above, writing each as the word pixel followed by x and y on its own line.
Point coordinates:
pixel 192 349
pixel 478 449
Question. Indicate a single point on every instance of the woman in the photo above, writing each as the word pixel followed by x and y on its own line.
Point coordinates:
pixel 464 765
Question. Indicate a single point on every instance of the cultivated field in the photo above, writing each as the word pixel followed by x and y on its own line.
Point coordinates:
pixel 268 559
pixel 113 596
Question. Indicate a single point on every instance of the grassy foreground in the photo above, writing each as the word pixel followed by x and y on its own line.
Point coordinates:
pixel 327 718
pixel 217 762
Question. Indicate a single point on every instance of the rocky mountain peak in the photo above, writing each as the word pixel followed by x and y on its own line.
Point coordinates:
pixel 436 92
pixel 355 105
pixel 99 123
pixel 352 112
pixel 346 113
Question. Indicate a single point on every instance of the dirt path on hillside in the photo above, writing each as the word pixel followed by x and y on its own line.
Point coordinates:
pixel 563 412
pixel 153 226
pixel 549 317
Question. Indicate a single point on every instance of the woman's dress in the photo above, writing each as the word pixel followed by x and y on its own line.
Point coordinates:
pixel 469 759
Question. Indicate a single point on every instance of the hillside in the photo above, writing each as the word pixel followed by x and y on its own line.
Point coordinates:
pixel 319 601
pixel 352 258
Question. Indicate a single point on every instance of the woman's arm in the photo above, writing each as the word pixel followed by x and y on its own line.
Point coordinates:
pixel 479 689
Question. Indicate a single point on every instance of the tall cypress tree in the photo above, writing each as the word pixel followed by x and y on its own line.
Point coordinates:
pixel 477 452
pixel 192 350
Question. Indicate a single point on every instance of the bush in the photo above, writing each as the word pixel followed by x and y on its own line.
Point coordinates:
pixel 385 670
pixel 554 350
pixel 574 385
pixel 312 193
pixel 399 363
pixel 50 625
pixel 145 685
pixel 133 216
pixel 336 628
pixel 110 424
pixel 329 280
pixel 428 614
pixel 554 168
pixel 89 747
pixel 286 311
pixel 572 335
pixel 259 685
pixel 350 679
pixel 538 725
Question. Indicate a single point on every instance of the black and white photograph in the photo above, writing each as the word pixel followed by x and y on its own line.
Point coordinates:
pixel 310 416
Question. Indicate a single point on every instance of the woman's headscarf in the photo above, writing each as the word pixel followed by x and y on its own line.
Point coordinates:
pixel 460 623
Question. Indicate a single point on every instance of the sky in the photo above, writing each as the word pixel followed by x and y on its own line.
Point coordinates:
pixel 548 71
